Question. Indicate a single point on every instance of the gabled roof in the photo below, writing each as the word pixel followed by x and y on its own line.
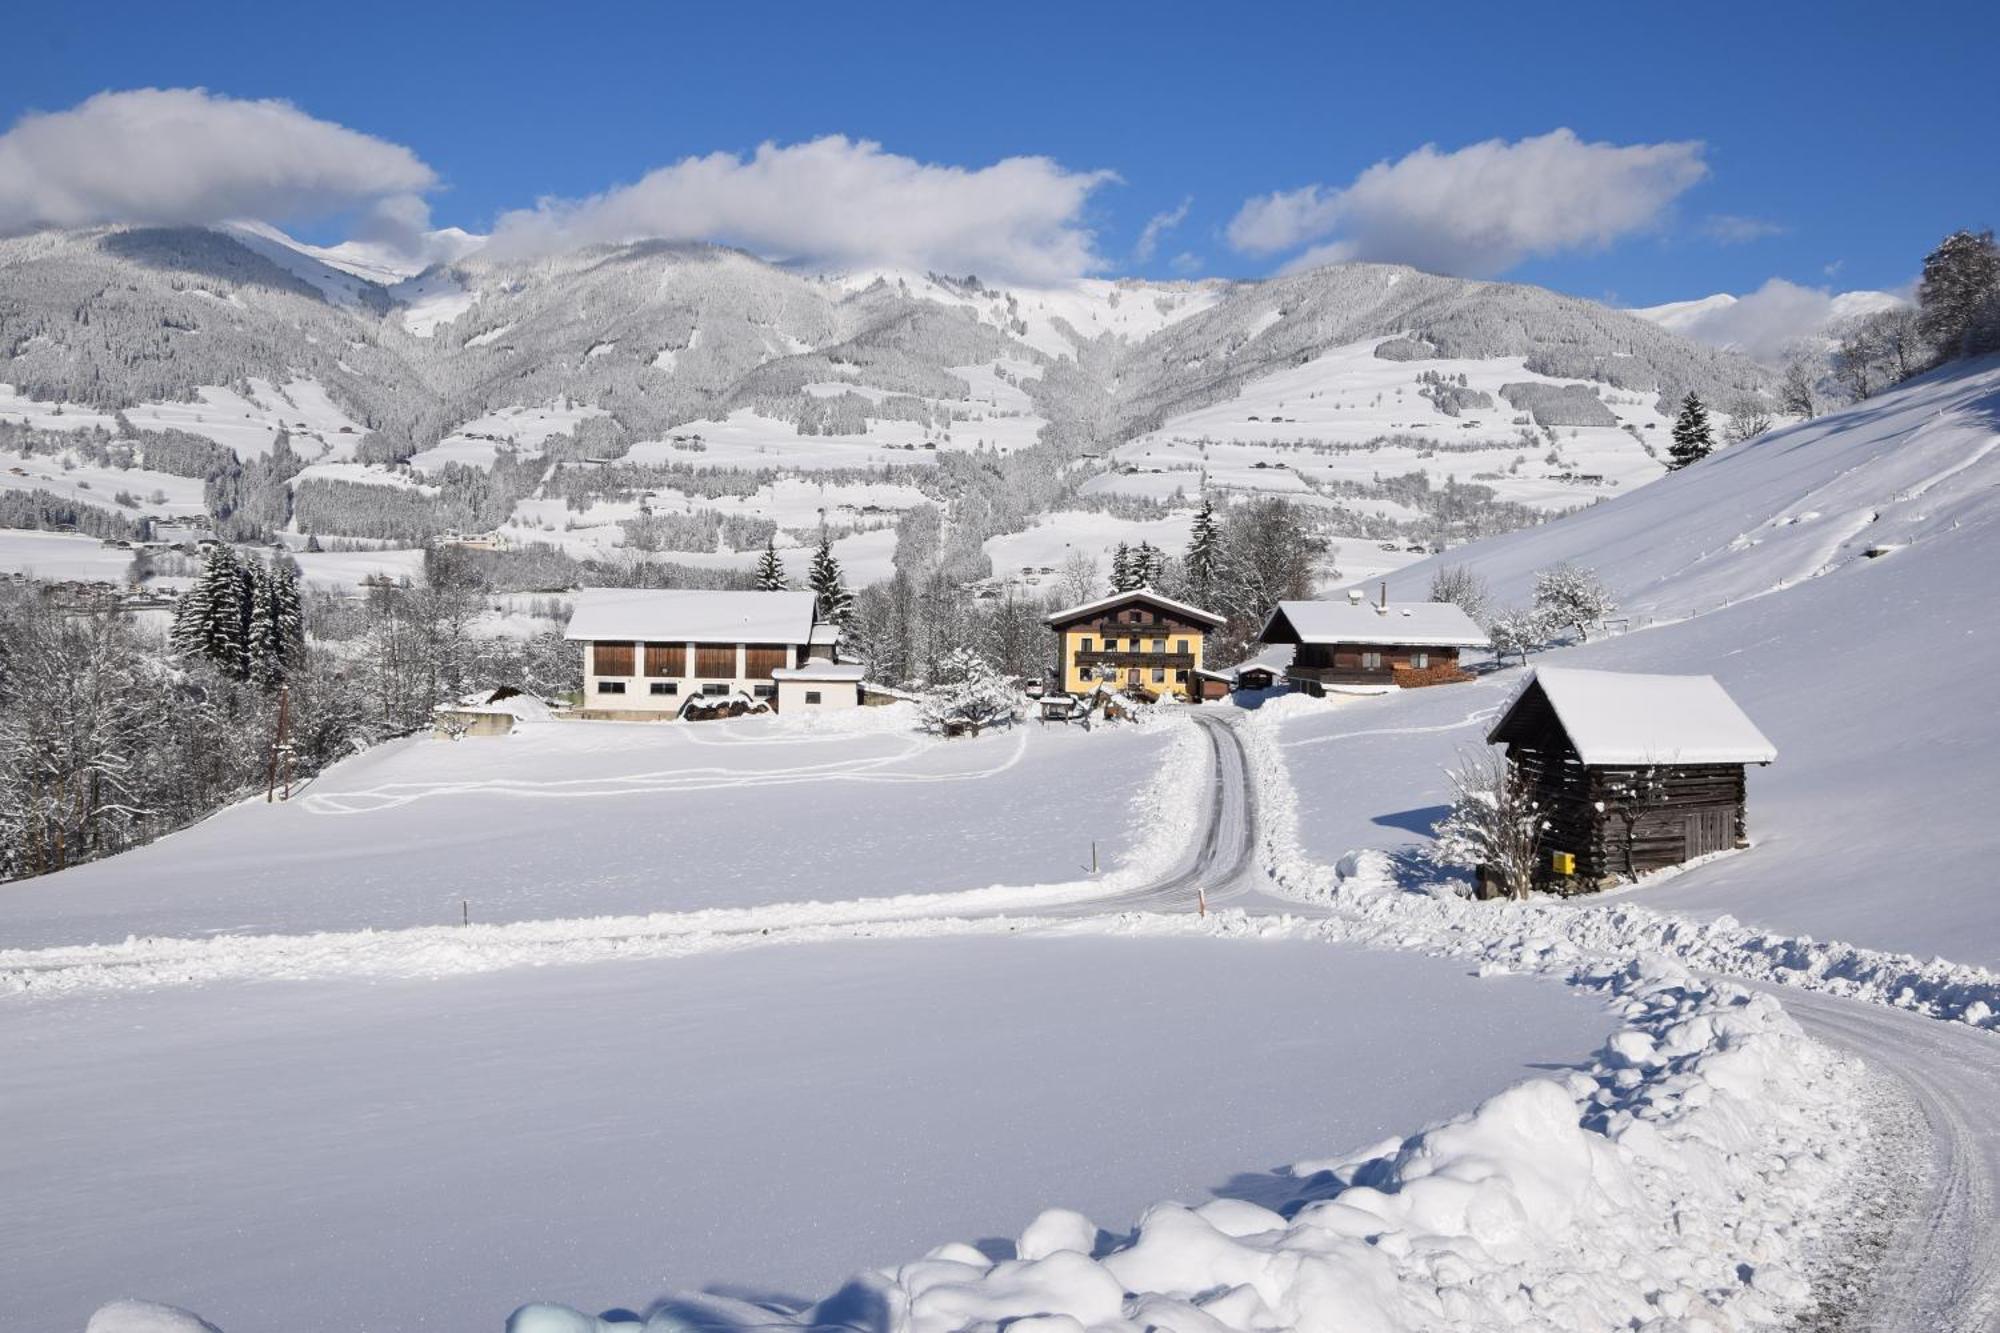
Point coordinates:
pixel 691 616
pixel 1117 599
pixel 1624 717
pixel 1418 624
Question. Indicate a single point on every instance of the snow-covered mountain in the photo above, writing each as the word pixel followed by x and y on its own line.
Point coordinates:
pixel 714 378
pixel 1769 322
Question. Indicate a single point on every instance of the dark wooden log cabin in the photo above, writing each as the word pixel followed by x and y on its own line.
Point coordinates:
pixel 1632 772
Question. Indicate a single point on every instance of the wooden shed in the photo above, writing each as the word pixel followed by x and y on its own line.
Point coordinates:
pixel 1632 772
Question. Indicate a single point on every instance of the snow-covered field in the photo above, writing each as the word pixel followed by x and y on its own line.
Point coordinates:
pixel 596 819
pixel 764 1123
pixel 62 556
pixel 245 422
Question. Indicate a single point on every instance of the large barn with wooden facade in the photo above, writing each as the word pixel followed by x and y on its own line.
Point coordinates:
pixel 1138 642
pixel 1632 772
pixel 652 654
pixel 1355 642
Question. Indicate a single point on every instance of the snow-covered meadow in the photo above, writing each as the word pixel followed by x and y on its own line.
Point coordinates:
pixel 569 820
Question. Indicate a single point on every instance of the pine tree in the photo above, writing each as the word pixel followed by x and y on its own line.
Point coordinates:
pixel 1204 554
pixel 1693 439
pixel 1125 574
pixel 1149 566
pixel 835 601
pixel 770 569
pixel 213 618
pixel 275 632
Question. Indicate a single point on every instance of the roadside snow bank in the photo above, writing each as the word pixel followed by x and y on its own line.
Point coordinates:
pixel 1366 894
pixel 1165 810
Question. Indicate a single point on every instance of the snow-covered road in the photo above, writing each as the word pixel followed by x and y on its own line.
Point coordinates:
pixel 1941 1272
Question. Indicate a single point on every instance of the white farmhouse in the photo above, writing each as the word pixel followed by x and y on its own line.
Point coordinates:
pixel 696 654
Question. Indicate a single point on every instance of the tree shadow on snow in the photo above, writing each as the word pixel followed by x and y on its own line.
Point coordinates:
pixel 1420 821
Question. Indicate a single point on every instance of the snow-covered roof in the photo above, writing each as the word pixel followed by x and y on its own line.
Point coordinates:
pixel 691 616
pixel 822 671
pixel 1626 717
pixel 1419 624
pixel 1137 594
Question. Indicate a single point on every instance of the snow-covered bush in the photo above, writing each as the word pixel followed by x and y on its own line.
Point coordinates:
pixel 1494 822
pixel 969 696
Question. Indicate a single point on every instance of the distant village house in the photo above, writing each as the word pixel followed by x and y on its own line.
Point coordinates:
pixel 697 654
pixel 1137 642
pixel 1631 772
pixel 1356 642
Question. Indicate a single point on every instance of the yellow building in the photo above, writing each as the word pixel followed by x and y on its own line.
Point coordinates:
pixel 1139 642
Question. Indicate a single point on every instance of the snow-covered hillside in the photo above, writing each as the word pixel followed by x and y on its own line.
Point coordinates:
pixel 1833 576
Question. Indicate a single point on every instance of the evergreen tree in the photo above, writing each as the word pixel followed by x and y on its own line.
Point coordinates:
pixel 835 601
pixel 1204 554
pixel 212 620
pixel 770 569
pixel 1959 294
pixel 1149 566
pixel 1693 438
pixel 275 634
pixel 1125 574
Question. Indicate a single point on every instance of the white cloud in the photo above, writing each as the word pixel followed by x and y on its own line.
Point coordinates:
pixel 185 156
pixel 840 202
pixel 1765 323
pixel 1157 226
pixel 1186 263
pixel 1735 229
pixel 1477 211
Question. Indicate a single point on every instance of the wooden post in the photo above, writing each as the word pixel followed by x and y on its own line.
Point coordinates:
pixel 278 741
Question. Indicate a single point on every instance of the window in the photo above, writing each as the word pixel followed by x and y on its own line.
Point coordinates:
pixel 1371 661
pixel 764 691
pixel 611 687
pixel 1180 676
pixel 1181 646
pixel 1159 675
pixel 715 689
pixel 1420 660
pixel 812 696
pixel 1083 645
pixel 666 687
pixel 1111 645
pixel 1159 645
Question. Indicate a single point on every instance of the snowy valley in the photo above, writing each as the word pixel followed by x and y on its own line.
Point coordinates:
pixel 689 1024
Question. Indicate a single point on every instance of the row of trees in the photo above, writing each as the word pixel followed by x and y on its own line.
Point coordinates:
pixel 1567 599
pixel 1957 315
pixel 112 733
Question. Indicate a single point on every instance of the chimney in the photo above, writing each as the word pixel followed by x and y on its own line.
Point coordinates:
pixel 1382 607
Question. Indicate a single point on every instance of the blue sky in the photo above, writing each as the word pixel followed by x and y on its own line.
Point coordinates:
pixel 1827 145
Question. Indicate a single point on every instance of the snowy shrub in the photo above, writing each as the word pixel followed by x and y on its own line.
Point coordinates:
pixel 969 696
pixel 1494 822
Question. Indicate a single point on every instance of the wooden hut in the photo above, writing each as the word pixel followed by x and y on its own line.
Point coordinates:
pixel 1632 772
pixel 1355 643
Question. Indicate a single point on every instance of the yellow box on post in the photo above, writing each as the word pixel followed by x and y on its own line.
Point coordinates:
pixel 1562 863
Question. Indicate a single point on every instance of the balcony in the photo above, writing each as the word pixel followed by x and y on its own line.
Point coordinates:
pixel 1126 660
